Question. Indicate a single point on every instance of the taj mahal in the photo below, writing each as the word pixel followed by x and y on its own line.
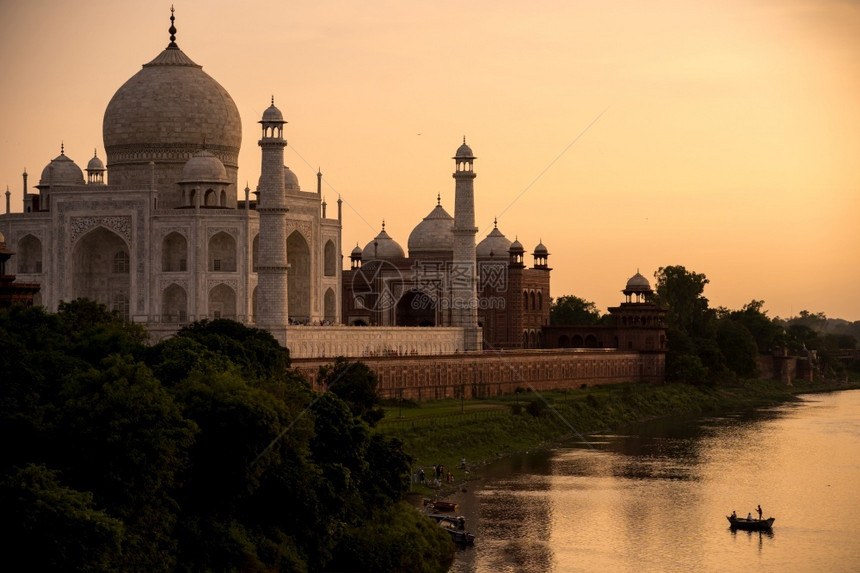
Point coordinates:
pixel 161 233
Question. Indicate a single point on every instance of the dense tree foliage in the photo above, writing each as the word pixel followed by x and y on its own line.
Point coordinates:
pixel 202 452
pixel 708 345
pixel 572 310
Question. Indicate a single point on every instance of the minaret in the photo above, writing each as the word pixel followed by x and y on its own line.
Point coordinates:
pixel 272 310
pixel 463 276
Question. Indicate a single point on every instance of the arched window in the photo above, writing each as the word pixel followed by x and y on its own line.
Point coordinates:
pixel 223 201
pixel 174 304
pixel 210 199
pixel 299 277
pixel 330 306
pixel 532 298
pixel 540 300
pixel 255 252
pixel 525 300
pixel 120 263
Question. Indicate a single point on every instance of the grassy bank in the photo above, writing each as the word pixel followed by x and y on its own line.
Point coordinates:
pixel 483 430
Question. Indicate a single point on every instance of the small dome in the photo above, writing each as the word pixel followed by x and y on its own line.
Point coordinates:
pixel 464 151
pixel 356 252
pixel 433 233
pixel 494 245
pixel 61 171
pixel 541 249
pixel 516 247
pixel 382 247
pixel 638 283
pixel 291 182
pixel 203 167
pixel 95 164
pixel 272 114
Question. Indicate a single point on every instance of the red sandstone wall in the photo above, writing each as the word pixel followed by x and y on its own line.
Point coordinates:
pixel 493 373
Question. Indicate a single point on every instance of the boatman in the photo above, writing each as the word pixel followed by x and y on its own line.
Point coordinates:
pixel 758 509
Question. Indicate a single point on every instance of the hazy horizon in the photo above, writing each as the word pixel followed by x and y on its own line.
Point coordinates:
pixel 721 136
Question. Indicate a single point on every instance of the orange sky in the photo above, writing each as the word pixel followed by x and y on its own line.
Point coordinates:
pixel 727 132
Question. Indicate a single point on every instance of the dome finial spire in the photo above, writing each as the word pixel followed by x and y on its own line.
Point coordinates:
pixel 495 222
pixel 438 199
pixel 383 224
pixel 172 30
pixel 62 148
pixel 273 99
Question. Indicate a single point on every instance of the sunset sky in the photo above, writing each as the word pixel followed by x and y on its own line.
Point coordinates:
pixel 720 135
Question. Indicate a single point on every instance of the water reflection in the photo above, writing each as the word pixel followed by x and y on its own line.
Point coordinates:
pixel 655 497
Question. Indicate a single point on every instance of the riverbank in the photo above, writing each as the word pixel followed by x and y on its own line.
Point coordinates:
pixel 445 432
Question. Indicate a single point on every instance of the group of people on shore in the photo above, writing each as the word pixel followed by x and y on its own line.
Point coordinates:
pixel 437 474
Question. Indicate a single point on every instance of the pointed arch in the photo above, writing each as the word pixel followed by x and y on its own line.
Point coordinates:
pixel 101 264
pixel 330 305
pixel 174 253
pixel 222 253
pixel 255 252
pixel 299 277
pixel 329 259
pixel 28 259
pixel 174 304
pixel 222 302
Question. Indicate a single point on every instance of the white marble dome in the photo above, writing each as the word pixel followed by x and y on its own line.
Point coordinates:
pixel 166 111
pixel 638 283
pixel 61 171
pixel 433 234
pixel 95 164
pixel 204 168
pixel 291 182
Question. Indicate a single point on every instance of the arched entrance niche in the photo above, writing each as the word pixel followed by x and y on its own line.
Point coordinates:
pixel 100 272
pixel 330 306
pixel 222 253
pixel 416 308
pixel 174 253
pixel 255 252
pixel 174 304
pixel 330 259
pixel 299 277
pixel 29 256
pixel 222 302
pixel 563 341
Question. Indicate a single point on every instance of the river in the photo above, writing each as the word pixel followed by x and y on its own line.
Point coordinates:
pixel 654 496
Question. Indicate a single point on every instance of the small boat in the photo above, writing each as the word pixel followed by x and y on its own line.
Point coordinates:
pixel 442 505
pixel 750 524
pixel 456 527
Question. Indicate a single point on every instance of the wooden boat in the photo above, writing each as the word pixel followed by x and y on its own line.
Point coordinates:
pixel 456 527
pixel 750 524
pixel 442 505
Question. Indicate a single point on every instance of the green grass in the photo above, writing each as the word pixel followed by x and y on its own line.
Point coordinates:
pixel 439 432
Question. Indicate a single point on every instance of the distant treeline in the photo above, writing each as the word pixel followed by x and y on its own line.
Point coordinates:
pixel 203 452
pixel 710 345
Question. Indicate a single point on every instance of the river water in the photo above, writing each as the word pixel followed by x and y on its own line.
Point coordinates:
pixel 654 497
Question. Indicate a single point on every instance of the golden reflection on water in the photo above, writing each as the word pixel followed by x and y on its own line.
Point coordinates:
pixel 655 497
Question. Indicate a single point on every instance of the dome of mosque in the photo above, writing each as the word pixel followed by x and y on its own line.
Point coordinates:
pixel 356 252
pixel 382 247
pixel 541 249
pixel 433 233
pixel 516 247
pixel 291 182
pixel 166 111
pixel 493 245
pixel 61 171
pixel 638 283
pixel 204 168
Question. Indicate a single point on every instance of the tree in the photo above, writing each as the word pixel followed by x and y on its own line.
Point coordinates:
pixel 738 347
pixel 355 383
pixel 680 291
pixel 768 334
pixel 571 310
